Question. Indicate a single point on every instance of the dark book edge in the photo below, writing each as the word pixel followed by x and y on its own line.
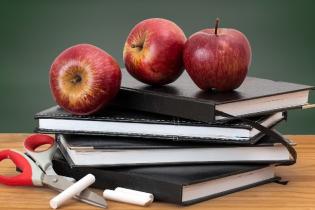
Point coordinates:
pixel 199 111
pixel 168 95
pixel 164 191
pixel 251 140
pixel 258 162
pixel 230 191
pixel 162 138
pixel 92 143
pixel 119 114
pixel 129 97
pixel 136 116
pixel 254 167
pixel 63 152
pixel 167 192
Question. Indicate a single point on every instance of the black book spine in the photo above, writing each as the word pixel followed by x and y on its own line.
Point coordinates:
pixel 188 109
pixel 110 179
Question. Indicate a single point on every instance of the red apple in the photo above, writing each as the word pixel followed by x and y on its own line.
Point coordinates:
pixel 84 78
pixel 153 51
pixel 217 58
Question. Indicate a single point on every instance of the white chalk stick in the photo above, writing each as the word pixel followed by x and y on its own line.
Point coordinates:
pixel 71 191
pixel 135 192
pixel 126 198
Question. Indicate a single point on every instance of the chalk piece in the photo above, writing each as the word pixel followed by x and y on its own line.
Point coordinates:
pixel 135 192
pixel 71 191
pixel 127 198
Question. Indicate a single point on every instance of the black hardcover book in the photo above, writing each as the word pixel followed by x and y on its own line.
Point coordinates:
pixel 114 121
pixel 106 151
pixel 184 99
pixel 182 185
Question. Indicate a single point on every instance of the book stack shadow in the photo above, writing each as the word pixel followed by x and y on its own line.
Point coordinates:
pixel 177 142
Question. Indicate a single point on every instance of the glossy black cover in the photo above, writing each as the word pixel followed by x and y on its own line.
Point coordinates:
pixel 116 114
pixel 88 144
pixel 98 142
pixel 165 182
pixel 184 99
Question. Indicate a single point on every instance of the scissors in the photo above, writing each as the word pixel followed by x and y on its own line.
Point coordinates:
pixel 36 169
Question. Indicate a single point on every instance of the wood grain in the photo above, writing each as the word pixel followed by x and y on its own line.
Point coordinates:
pixel 298 194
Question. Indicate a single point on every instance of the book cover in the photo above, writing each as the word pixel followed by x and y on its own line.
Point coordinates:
pixel 184 99
pixel 102 151
pixel 114 121
pixel 169 183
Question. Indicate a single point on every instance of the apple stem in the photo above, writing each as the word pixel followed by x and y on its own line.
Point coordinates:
pixel 217 20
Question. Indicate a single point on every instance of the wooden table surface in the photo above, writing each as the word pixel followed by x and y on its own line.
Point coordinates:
pixel 298 194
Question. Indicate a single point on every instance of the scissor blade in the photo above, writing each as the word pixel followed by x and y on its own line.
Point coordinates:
pixel 90 197
pixel 59 183
pixel 51 171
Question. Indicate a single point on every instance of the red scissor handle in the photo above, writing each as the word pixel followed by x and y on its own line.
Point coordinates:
pixel 20 161
pixel 34 141
pixel 42 158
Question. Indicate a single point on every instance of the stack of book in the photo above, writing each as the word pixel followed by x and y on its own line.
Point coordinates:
pixel 177 142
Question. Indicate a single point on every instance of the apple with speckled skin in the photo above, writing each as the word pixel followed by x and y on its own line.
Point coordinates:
pixel 217 58
pixel 153 51
pixel 84 78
